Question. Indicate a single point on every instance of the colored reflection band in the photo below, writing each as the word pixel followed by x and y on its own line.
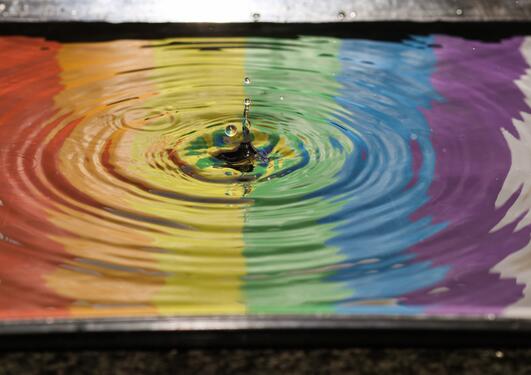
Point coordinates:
pixel 480 102
pixel 292 281
pixel 386 180
pixel 30 76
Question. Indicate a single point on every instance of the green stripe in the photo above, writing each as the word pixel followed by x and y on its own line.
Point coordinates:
pixel 284 276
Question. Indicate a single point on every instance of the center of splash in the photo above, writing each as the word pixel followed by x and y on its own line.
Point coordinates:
pixel 244 157
pixel 228 154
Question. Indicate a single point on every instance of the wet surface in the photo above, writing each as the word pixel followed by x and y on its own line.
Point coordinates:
pixel 378 177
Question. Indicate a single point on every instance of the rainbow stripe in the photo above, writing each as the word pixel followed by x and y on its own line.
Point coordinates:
pixel 475 134
pixel 293 284
pixel 382 271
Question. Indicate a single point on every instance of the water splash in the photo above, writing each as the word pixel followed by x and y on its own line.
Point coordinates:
pixel 245 155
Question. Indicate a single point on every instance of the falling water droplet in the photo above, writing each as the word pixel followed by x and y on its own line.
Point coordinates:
pixel 459 11
pixel 231 130
pixel 353 14
pixel 247 80
pixel 256 17
pixel 281 98
pixel 341 15
pixel 414 136
pixel 499 354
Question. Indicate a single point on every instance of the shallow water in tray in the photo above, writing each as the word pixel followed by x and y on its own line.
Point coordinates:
pixel 392 178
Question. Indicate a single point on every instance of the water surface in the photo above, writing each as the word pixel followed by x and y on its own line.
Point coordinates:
pixel 396 182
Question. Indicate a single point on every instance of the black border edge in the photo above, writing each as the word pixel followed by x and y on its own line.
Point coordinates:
pixel 263 331
pixel 377 30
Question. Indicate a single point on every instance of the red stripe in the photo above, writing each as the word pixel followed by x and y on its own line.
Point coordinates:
pixel 30 76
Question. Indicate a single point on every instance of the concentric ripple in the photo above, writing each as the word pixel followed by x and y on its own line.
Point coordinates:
pixel 115 203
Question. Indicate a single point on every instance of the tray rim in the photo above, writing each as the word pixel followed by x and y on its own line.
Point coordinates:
pixel 262 323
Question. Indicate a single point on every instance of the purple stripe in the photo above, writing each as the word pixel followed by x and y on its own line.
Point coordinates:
pixel 476 81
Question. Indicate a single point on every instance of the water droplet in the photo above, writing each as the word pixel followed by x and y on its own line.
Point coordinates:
pixel 281 98
pixel 353 14
pixel 246 80
pixel 414 136
pixel 231 130
pixel 341 15
pixel 2 7
pixel 459 11
pixel 499 354
pixel 247 101
pixel 256 17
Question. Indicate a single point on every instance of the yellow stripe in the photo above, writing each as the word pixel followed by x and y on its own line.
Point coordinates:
pixel 209 280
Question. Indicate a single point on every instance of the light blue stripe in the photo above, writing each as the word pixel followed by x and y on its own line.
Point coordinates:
pixel 385 86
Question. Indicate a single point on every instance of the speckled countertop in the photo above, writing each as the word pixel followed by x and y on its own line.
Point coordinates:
pixel 271 362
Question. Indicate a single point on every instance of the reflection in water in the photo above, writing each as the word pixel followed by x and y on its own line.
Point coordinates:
pixel 377 177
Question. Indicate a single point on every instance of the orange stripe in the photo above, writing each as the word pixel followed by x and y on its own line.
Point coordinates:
pixel 98 282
